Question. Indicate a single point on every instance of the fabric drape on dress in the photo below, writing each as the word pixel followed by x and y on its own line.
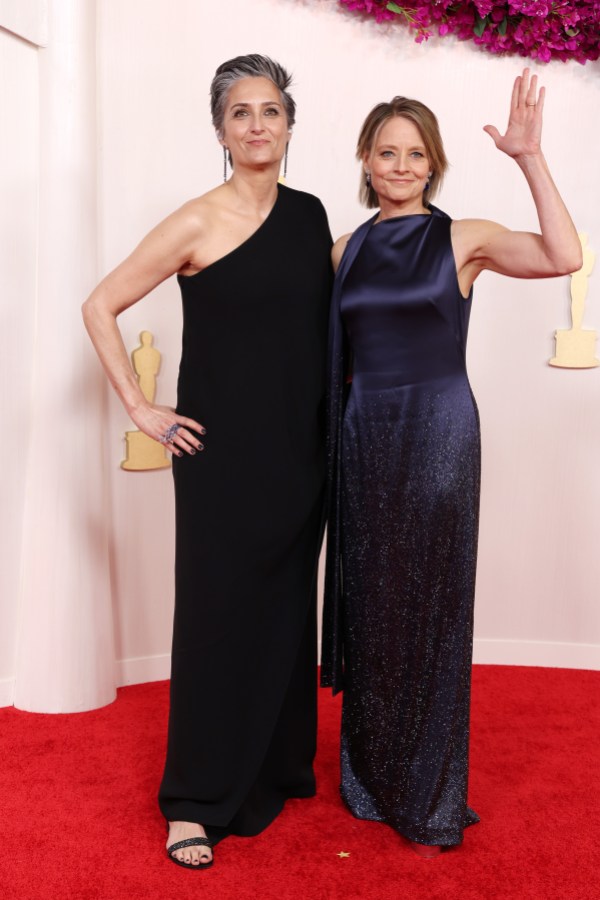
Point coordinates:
pixel 332 662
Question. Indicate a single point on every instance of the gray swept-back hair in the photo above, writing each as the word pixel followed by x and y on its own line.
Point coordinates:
pixel 251 66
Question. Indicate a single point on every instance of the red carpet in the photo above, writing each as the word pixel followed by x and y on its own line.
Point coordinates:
pixel 79 818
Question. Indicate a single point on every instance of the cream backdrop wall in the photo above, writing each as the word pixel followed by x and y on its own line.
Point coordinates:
pixel 538 566
pixel 18 224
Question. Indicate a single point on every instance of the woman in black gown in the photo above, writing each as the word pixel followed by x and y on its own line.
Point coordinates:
pixel 404 461
pixel 253 265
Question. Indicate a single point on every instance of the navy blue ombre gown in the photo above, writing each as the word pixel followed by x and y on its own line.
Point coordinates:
pixel 404 460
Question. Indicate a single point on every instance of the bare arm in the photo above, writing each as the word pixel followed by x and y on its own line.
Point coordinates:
pixel 337 251
pixel 162 253
pixel 483 245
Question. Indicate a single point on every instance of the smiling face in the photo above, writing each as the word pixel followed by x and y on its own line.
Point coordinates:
pixel 255 128
pixel 399 167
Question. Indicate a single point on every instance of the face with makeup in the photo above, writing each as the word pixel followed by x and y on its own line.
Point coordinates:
pixel 255 125
pixel 399 167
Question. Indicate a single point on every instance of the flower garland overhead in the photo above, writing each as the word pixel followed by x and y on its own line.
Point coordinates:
pixel 540 29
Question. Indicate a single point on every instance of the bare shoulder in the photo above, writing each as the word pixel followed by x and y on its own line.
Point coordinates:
pixel 187 227
pixel 196 214
pixel 337 251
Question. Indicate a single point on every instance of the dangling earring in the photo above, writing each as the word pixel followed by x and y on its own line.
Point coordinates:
pixel 224 163
pixel 426 188
pixel 282 178
pixel 368 179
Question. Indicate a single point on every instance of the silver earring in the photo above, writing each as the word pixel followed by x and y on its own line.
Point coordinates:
pixel 285 162
pixel 224 163
pixel 368 179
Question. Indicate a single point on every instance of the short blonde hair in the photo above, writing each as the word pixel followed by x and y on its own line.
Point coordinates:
pixel 421 116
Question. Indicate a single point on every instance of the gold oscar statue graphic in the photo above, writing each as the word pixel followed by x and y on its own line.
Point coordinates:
pixel 142 452
pixel 575 347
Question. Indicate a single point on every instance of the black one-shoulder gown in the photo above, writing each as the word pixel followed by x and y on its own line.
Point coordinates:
pixel 249 522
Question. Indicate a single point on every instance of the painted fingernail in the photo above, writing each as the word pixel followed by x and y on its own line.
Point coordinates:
pixel 203 431
pixel 192 452
pixel 180 453
pixel 200 446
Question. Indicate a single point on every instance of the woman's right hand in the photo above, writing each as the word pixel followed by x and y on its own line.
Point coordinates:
pixel 158 422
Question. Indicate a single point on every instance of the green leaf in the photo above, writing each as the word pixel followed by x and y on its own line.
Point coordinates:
pixel 480 24
pixel 502 26
pixel 393 7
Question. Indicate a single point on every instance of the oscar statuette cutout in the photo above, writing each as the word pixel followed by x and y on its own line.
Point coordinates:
pixel 576 347
pixel 142 453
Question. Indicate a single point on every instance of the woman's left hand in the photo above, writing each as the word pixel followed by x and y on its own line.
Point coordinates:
pixel 524 129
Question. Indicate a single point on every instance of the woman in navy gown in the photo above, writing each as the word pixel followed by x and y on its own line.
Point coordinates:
pixel 404 459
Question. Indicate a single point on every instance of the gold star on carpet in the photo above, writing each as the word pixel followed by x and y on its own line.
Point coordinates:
pixel 342 854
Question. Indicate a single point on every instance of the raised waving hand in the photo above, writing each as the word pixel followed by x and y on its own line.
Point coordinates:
pixel 480 244
pixel 524 130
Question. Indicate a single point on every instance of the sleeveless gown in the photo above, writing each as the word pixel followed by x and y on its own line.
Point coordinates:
pixel 405 467
pixel 249 524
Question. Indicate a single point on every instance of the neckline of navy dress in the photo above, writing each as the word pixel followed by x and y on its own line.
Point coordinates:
pixel 401 216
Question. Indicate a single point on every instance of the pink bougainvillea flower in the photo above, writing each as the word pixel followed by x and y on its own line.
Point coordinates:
pixel 541 29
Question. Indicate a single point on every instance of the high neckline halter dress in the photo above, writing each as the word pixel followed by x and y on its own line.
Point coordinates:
pixel 404 461
pixel 249 524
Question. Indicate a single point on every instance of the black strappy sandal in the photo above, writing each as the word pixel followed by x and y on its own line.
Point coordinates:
pixel 190 842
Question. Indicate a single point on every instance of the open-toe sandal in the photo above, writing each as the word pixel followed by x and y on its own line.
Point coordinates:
pixel 190 842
